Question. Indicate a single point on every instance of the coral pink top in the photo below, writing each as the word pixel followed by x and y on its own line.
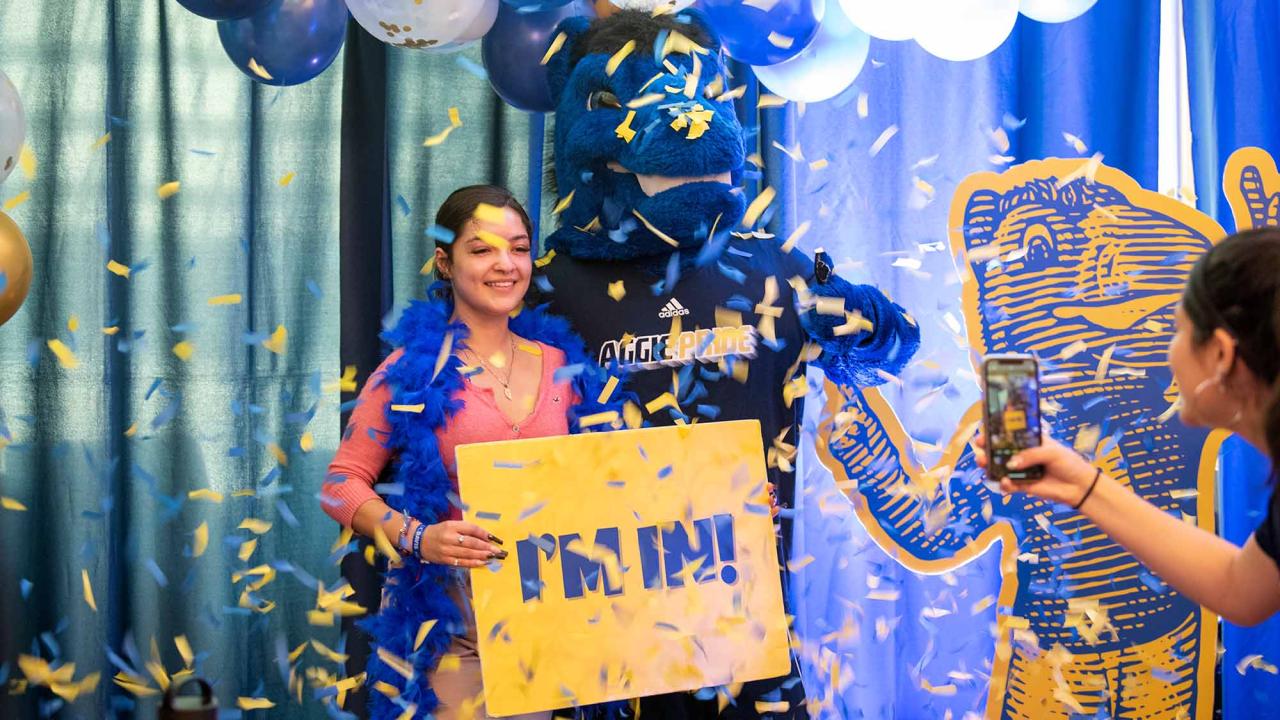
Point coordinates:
pixel 363 454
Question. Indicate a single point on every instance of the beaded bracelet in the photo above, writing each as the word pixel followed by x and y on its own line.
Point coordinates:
pixel 402 541
pixel 417 540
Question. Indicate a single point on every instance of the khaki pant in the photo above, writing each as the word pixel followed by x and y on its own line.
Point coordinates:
pixel 460 688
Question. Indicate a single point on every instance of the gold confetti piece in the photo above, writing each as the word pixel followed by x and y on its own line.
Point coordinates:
pixel 795 236
pixel 17 200
pixel 1076 143
pixel 88 590
pixel 184 350
pixel 9 503
pixel 118 268
pixel 276 342
pixel 770 101
pixel 617 290
pixel 864 108
pixel 133 430
pixel 493 240
pixel 428 266
pixel 423 629
pixel 278 453
pixel 110 330
pixel 1000 140
pixel 556 44
pixel 1103 363
pixel 758 206
pixel 766 706
pixel 1073 349
pixel 883 140
pixel 607 392
pixel 244 493
pixel 404 668
pixel 287 178
pixel 231 299
pixel 73 323
pixel 924 187
pixel 601 418
pixel 247 548
pixel 567 199
pixel 1087 170
pixel 27 162
pixel 255 526
pixel 66 358
pixel 653 229
pixel 664 400
pixel 942 690
pixel 184 649
pixel 982 604
pixel 732 94
pixel 205 494
pixel 612 66
pixel 258 70
pixel 409 408
pixel 307 442
pixel 887 595
pixel 489 213
pixel 818 164
pixel 320 618
pixel 100 142
pixel 328 653
pixel 624 130
pixel 254 703
pixel 169 189
pixel 455 122
pixel 780 41
pixel 136 685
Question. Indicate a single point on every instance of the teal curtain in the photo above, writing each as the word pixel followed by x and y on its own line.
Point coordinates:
pixel 104 455
pixel 99 461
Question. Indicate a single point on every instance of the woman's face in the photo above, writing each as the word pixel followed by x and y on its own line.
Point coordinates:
pixel 489 265
pixel 1196 371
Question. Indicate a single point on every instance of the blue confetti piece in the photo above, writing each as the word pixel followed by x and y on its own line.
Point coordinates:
pixel 4 281
pixel 530 512
pixel 169 413
pixel 51 642
pixel 456 501
pixel 270 477
pixel 1152 582
pixel 485 515
pixel 440 234
pixel 471 66
pixel 286 514
pixel 156 572
pixel 710 412
pixel 664 473
pixel 393 489
pixel 314 289
pixel 25 586
pixel 568 372
pixel 203 153
pixel 403 205
pixel 507 465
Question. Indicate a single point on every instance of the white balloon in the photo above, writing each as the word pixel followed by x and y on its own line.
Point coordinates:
pixel 429 25
pixel 13 126
pixel 964 29
pixel 1055 11
pixel 884 19
pixel 826 67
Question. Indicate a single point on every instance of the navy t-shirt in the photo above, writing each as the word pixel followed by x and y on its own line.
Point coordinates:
pixel 635 330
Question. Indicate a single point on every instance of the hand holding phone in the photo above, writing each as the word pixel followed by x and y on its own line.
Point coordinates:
pixel 1011 413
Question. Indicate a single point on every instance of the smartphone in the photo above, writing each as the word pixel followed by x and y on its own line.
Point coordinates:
pixel 1011 413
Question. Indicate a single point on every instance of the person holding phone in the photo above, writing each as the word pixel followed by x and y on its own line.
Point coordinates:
pixel 1225 358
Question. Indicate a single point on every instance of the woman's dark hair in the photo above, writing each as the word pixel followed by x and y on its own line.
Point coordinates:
pixel 460 207
pixel 1236 287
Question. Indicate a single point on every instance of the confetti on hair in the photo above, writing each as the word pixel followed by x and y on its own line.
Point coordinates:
pixel 612 66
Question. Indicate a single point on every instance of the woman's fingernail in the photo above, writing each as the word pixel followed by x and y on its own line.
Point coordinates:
pixel 495 538
pixel 500 555
pixel 1014 464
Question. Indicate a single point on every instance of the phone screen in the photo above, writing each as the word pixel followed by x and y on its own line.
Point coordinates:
pixel 1012 413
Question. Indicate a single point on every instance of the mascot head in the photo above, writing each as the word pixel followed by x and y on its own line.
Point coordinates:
pixel 648 148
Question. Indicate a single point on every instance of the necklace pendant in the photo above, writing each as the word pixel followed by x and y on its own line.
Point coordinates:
pixel 507 392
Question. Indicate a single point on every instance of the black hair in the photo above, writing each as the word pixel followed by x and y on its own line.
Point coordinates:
pixel 1236 286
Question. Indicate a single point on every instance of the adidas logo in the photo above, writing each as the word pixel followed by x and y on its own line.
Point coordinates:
pixel 673 308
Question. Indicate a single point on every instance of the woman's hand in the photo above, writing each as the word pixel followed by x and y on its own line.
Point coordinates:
pixel 1067 475
pixel 459 544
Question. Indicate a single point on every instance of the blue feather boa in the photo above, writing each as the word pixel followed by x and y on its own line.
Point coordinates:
pixel 416 591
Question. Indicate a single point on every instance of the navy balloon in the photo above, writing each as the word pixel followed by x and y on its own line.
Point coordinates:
pixel 224 9
pixel 763 37
pixel 287 42
pixel 512 50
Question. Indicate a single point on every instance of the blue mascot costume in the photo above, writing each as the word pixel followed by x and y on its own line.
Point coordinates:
pixel 648 155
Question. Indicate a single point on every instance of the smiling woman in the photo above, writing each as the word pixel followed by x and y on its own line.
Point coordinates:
pixel 466 371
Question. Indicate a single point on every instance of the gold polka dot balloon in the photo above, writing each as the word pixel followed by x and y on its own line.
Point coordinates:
pixel 15 268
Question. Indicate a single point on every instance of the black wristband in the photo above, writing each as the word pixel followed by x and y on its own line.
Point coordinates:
pixel 1089 492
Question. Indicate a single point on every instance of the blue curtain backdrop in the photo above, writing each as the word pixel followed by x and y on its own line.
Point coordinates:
pixel 1233 53
pixel 871 211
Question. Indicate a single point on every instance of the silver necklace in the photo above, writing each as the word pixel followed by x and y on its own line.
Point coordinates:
pixel 506 384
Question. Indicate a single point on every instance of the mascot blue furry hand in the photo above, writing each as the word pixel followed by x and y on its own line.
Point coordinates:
pixel 648 156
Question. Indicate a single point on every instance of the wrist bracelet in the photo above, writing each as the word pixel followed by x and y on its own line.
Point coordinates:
pixel 417 540
pixel 402 542
pixel 1089 492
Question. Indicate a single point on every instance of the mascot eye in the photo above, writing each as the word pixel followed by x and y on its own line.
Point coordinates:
pixel 602 98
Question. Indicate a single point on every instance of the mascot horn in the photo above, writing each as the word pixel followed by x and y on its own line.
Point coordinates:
pixel 645 265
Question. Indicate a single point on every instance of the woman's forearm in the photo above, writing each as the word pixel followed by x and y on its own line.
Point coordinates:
pixel 375 514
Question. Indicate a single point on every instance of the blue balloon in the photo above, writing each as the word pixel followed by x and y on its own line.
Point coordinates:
pixel 224 9
pixel 763 37
pixel 512 50
pixel 287 42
